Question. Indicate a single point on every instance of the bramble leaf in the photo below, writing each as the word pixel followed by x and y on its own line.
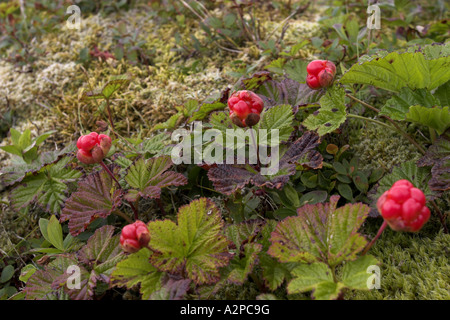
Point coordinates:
pixel 354 273
pixel 317 277
pixel 241 267
pixel 48 187
pixel 443 94
pixel 136 269
pixel 16 173
pixel 435 118
pixel 243 232
pixel 195 246
pixel 102 251
pixel 172 290
pixel 148 177
pixel 205 109
pixel 96 261
pixel 229 178
pixel 274 272
pixel 97 196
pixel 277 118
pixel 398 106
pixel 169 124
pixel 332 112
pixel 114 85
pixel 39 285
pixel 397 70
pixel 320 233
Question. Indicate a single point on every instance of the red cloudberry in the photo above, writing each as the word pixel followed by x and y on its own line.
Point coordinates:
pixel 320 74
pixel 92 148
pixel 134 236
pixel 403 207
pixel 245 108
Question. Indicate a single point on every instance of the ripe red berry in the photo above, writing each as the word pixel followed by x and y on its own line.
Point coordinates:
pixel 403 207
pixel 134 236
pixel 92 148
pixel 245 108
pixel 320 74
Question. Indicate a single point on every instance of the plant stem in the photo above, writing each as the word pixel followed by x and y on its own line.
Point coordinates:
pixel 110 173
pixel 123 215
pixel 380 231
pixel 108 109
pixel 363 103
pixel 104 166
pixel 432 135
pixel 403 133
pixel 255 146
pixel 350 115
pixel 160 205
pixel 441 217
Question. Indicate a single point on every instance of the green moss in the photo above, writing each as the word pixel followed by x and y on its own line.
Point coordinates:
pixel 247 291
pixel 377 146
pixel 412 266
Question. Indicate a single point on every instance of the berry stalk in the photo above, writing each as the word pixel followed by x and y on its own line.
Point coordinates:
pixel 380 231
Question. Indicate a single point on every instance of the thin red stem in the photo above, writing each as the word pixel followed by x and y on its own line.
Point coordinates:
pixel 380 231
pixel 104 166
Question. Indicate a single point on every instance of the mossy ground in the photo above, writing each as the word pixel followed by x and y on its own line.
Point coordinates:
pixel 414 266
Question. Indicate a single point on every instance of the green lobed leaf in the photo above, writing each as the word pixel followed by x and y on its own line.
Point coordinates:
pixel 96 261
pixel 195 246
pixel 242 232
pixel 443 94
pixel 102 250
pixel 332 112
pixel 137 270
pixel 435 118
pixel 241 267
pixel 48 187
pixel 148 177
pixel 398 106
pixel 355 273
pixel 274 272
pixel 320 233
pixel 397 70
pixel 169 124
pixel 317 277
pixel 344 241
pixel 114 85
pixel 277 118
pixel 205 109
pixel 16 173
